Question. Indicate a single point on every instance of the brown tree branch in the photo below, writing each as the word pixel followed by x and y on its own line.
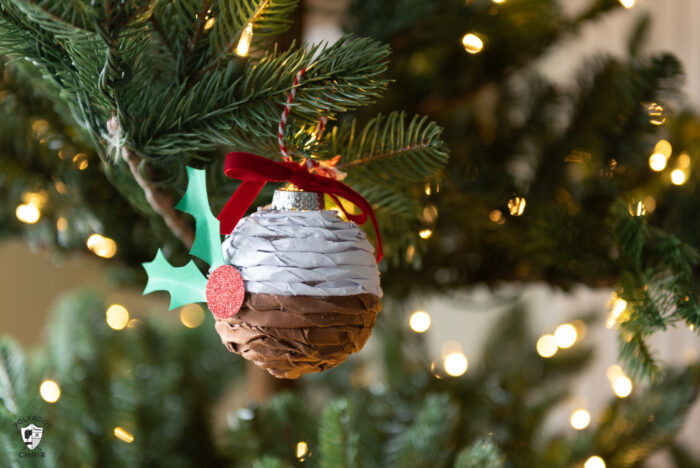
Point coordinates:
pixel 161 202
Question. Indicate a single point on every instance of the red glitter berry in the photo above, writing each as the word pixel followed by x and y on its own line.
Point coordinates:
pixel 225 292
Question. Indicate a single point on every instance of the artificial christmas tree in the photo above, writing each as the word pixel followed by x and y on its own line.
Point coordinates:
pixel 138 90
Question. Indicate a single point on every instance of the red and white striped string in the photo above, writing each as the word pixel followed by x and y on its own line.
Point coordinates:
pixel 285 114
pixel 326 168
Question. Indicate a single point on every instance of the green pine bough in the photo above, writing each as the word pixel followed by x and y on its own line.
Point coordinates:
pixel 158 85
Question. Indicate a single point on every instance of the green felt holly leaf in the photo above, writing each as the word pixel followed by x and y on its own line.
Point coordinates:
pixel 185 284
pixel 207 241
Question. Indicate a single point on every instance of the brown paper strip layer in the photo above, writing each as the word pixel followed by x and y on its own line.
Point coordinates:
pixel 294 335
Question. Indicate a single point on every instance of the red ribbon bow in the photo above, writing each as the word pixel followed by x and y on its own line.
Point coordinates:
pixel 255 171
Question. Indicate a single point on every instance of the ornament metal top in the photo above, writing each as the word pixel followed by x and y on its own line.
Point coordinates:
pixel 288 199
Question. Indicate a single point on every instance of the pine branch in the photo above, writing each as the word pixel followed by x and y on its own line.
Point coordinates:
pixel 425 442
pixel 161 202
pixel 338 442
pixel 481 454
pixel 390 151
pixel 13 375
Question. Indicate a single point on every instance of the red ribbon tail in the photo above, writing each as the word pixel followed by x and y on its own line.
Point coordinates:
pixel 238 204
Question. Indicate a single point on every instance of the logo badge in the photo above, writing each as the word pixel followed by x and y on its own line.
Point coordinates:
pixel 31 435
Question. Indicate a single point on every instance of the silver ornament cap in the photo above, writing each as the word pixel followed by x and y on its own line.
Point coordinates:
pixel 295 200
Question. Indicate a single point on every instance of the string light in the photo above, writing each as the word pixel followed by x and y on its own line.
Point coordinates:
pixel 50 391
pixel 117 316
pixel 678 177
pixel 102 246
pixel 425 233
pixel 656 113
pixel 637 208
pixel 302 450
pixel 428 191
pixel 210 23
pixel 595 461
pixel 516 205
pixel 580 419
pixel 663 147
pixel 498 1
pixel 657 162
pixel 61 224
pixel 618 306
pixel 123 435
pixel 565 336
pixel 472 43
pixel 622 386
pixel 684 160
pixel 547 346
pixel 455 363
pixel 627 4
pixel 80 161
pixel 244 41
pixel 497 217
pixel 192 315
pixel 28 213
pixel 419 321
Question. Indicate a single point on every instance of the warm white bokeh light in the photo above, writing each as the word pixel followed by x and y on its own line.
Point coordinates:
pixel 49 391
pixel 565 335
pixel 28 213
pixel 622 386
pixel 657 162
pixel 547 346
pixel 594 462
pixel 455 364
pixel 472 43
pixel 117 316
pixel 678 177
pixel 419 321
pixel 192 315
pixel 580 419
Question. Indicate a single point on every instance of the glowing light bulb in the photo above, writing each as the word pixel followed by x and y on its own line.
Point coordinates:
pixel 419 321
pixel 425 233
pixel 302 450
pixel 192 315
pixel 619 306
pixel 595 461
pixel 49 391
pixel 245 40
pixel 472 43
pixel 663 147
pixel 580 419
pixel 684 160
pixel 102 246
pixel 117 316
pixel 496 216
pixel 80 161
pixel 123 435
pixel 28 213
pixel 547 346
pixel 622 386
pixel 614 372
pixel 656 113
pixel 678 177
pixel 637 208
pixel 455 364
pixel 565 336
pixel 657 162
pixel 498 1
pixel 61 224
pixel 516 205
pixel 210 23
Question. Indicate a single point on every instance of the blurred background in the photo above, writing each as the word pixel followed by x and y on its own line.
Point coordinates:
pixel 490 317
